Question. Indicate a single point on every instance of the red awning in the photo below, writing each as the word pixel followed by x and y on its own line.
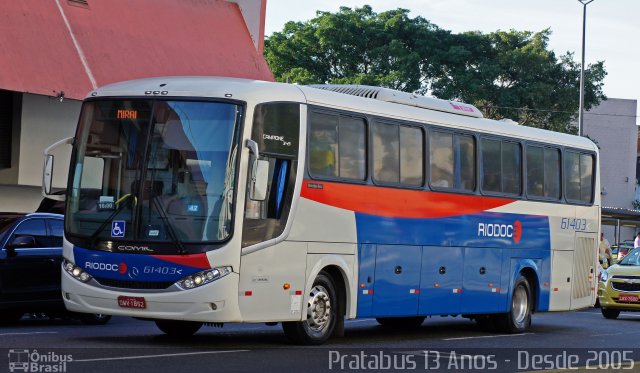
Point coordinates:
pixel 60 45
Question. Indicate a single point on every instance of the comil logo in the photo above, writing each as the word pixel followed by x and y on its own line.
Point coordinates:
pixel 513 231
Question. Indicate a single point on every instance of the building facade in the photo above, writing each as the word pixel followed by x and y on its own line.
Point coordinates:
pixel 612 125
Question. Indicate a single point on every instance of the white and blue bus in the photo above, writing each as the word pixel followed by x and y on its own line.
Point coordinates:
pixel 201 200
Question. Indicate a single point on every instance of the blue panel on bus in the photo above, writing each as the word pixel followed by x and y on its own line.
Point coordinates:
pixel 441 280
pixel 485 229
pixel 366 278
pixel 481 285
pixel 397 280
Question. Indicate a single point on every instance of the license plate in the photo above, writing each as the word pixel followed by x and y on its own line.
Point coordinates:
pixel 627 298
pixel 131 302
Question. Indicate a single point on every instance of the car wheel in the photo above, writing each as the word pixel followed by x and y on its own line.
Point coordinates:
pixel 401 322
pixel 94 318
pixel 178 328
pixel 609 313
pixel 322 315
pixel 518 319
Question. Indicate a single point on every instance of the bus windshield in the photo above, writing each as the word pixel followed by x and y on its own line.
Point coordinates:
pixel 152 170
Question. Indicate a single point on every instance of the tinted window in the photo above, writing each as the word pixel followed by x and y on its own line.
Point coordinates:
pixel 511 168
pixel 56 230
pixel 543 172
pixel 491 173
pixel 35 228
pixel 578 170
pixel 452 161
pixel 441 159
pixel 386 153
pixel 552 173
pixel 351 133
pixel 501 166
pixel 337 146
pixel 411 156
pixel 397 154
pixel 276 128
pixel 323 145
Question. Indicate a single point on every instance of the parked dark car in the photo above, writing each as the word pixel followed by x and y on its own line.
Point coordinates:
pixel 30 265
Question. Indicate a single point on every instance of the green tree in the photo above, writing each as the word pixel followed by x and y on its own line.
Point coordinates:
pixel 507 74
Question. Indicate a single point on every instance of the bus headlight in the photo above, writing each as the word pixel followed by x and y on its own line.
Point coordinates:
pixel 75 271
pixel 203 277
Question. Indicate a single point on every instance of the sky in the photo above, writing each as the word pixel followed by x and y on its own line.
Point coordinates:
pixel 613 27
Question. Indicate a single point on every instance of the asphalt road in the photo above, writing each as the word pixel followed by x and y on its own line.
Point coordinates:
pixel 555 341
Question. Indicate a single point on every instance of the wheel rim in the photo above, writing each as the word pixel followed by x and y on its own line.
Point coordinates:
pixel 319 309
pixel 520 305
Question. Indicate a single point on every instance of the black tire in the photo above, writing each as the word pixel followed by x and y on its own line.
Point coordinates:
pixel 322 314
pixel 401 322
pixel 609 313
pixel 8 317
pixel 178 328
pixel 94 318
pixel 518 319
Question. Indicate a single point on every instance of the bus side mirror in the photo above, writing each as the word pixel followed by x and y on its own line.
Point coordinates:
pixel 47 179
pixel 259 184
pixel 259 174
pixel 47 172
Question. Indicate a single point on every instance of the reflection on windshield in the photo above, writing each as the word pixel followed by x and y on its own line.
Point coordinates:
pixel 631 259
pixel 154 171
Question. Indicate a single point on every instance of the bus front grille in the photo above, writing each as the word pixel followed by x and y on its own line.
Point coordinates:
pixel 133 284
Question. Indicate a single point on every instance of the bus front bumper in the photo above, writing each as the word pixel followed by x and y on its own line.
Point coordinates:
pixel 213 302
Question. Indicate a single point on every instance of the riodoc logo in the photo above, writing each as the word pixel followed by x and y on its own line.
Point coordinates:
pixel 109 267
pixel 513 231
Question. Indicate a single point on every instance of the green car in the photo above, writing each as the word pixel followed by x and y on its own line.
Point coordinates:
pixel 619 287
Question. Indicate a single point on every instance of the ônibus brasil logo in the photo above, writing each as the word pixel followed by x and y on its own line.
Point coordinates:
pixel 513 231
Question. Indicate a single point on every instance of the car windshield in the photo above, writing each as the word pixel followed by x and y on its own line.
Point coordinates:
pixel 631 259
pixel 154 171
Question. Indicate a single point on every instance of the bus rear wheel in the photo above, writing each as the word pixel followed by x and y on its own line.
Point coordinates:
pixel 518 319
pixel 177 328
pixel 322 315
pixel 401 322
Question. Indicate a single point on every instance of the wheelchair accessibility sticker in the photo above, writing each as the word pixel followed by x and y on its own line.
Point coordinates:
pixel 118 228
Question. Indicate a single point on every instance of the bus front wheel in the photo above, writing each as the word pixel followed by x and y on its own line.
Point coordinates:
pixel 322 314
pixel 177 328
pixel 518 319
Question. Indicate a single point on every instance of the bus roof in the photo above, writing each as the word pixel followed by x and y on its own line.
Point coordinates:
pixel 261 91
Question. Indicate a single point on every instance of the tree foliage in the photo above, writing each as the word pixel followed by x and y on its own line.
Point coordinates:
pixel 507 74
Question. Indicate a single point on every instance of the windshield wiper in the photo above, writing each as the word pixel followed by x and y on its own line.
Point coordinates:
pixel 165 218
pixel 120 204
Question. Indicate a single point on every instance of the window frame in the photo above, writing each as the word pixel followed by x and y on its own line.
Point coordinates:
pixel 367 125
pixel 454 132
pixel 480 166
pixel 371 153
pixel 594 163
pixel 560 150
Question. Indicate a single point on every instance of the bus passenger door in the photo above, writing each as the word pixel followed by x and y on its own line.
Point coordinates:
pixel 397 280
pixel 481 284
pixel 441 280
